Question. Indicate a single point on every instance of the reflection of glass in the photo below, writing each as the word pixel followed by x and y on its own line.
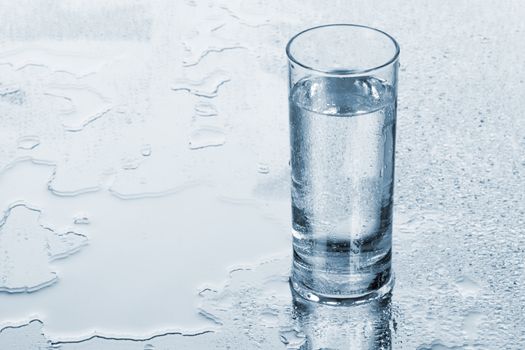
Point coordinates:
pixel 356 327
pixel 342 96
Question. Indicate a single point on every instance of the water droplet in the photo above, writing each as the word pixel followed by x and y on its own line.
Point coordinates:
pixel 85 105
pixel 204 109
pixel 293 339
pixel 210 317
pixel 438 345
pixel 28 142
pixel 81 219
pixel 131 164
pixel 207 87
pixel 263 168
pixel 467 287
pixel 207 137
pixel 269 317
pixel 146 150
pixel 12 95
pixel 472 323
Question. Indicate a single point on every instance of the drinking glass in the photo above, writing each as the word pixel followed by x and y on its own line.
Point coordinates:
pixel 342 104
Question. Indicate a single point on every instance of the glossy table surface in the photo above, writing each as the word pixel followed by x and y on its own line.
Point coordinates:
pixel 144 178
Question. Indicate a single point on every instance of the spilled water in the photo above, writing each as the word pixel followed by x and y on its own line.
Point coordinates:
pixel 158 133
pixel 28 247
pixel 207 87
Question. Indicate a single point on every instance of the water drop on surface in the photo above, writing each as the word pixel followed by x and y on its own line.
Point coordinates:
pixel 207 137
pixel 292 338
pixel 146 150
pixel 207 87
pixel 28 142
pixel 263 168
pixel 437 345
pixel 269 317
pixel 81 219
pixel 12 95
pixel 130 164
pixel 467 287
pixel 472 323
pixel 210 317
pixel 205 109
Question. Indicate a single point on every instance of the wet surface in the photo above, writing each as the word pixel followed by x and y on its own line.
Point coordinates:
pixel 144 185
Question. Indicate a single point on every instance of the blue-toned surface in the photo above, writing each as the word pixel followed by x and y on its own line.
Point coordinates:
pixel 144 177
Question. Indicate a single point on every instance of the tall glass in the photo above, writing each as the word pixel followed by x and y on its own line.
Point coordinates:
pixel 343 99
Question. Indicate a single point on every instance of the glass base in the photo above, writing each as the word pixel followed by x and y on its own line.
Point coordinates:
pixel 355 299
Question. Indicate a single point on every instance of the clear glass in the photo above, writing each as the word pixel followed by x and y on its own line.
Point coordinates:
pixel 359 327
pixel 343 99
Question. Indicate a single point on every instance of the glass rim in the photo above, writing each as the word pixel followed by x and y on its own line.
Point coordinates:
pixel 346 71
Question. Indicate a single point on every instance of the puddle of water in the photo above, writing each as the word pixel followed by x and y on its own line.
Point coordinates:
pixel 25 336
pixel 86 105
pixel 28 247
pixel 154 253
